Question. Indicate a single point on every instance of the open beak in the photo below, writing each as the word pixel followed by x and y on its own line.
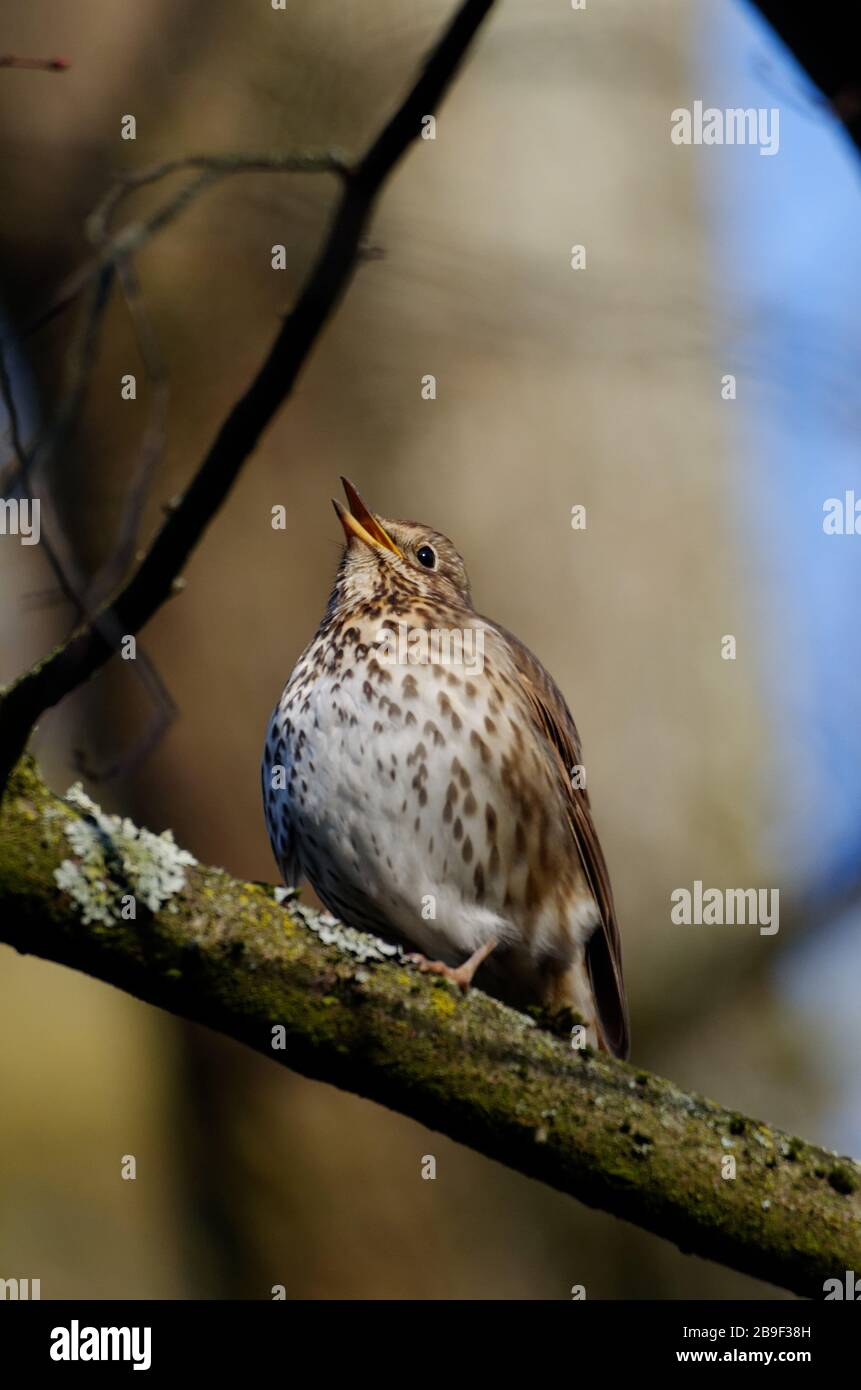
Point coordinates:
pixel 360 522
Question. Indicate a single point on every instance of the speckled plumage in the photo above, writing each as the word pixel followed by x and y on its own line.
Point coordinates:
pixel 392 787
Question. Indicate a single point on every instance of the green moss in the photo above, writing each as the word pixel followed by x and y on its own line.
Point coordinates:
pixel 842 1180
pixel 443 1003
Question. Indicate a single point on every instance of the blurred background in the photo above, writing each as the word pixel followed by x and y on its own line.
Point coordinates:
pixel 555 387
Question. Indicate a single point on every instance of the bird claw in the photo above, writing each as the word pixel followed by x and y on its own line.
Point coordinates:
pixel 457 974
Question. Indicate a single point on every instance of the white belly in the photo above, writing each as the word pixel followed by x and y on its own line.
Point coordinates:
pixel 369 767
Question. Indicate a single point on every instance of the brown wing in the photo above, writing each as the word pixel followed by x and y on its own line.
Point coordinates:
pixel 604 948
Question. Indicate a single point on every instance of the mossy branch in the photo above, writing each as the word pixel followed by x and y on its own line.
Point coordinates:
pixel 227 954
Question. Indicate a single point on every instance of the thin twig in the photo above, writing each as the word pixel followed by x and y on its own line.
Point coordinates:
pixel 164 713
pixel 105 581
pixel 134 235
pixel 70 581
pixel 11 411
pixel 18 463
pixel 20 478
pixel 152 584
pixel 10 60
pixel 152 448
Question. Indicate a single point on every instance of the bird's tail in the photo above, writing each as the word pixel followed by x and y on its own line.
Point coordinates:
pixel 572 989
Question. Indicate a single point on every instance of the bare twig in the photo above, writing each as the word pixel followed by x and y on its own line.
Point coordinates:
pixel 88 650
pixel 10 60
pixel 153 446
pixel 79 365
pixel 114 258
pixel 19 476
pixel 70 581
pixel 164 712
pixel 10 404
pixel 134 235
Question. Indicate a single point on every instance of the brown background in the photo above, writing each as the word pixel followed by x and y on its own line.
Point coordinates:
pixel 554 388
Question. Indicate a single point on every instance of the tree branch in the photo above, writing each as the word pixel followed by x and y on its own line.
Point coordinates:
pixel 226 954
pixel 73 663
pixel 822 37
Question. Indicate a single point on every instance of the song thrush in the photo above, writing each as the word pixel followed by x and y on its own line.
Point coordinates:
pixel 423 772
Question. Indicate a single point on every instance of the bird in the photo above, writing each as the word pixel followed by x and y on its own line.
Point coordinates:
pixel 422 771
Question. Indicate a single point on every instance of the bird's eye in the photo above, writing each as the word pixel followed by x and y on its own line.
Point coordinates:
pixel 426 556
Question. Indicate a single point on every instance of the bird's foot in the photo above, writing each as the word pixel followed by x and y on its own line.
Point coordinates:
pixel 461 975
pixel 456 974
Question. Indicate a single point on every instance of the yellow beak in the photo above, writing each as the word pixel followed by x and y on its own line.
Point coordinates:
pixel 362 523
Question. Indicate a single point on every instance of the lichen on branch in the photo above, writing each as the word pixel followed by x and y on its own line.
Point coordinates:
pixel 255 964
pixel 115 864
